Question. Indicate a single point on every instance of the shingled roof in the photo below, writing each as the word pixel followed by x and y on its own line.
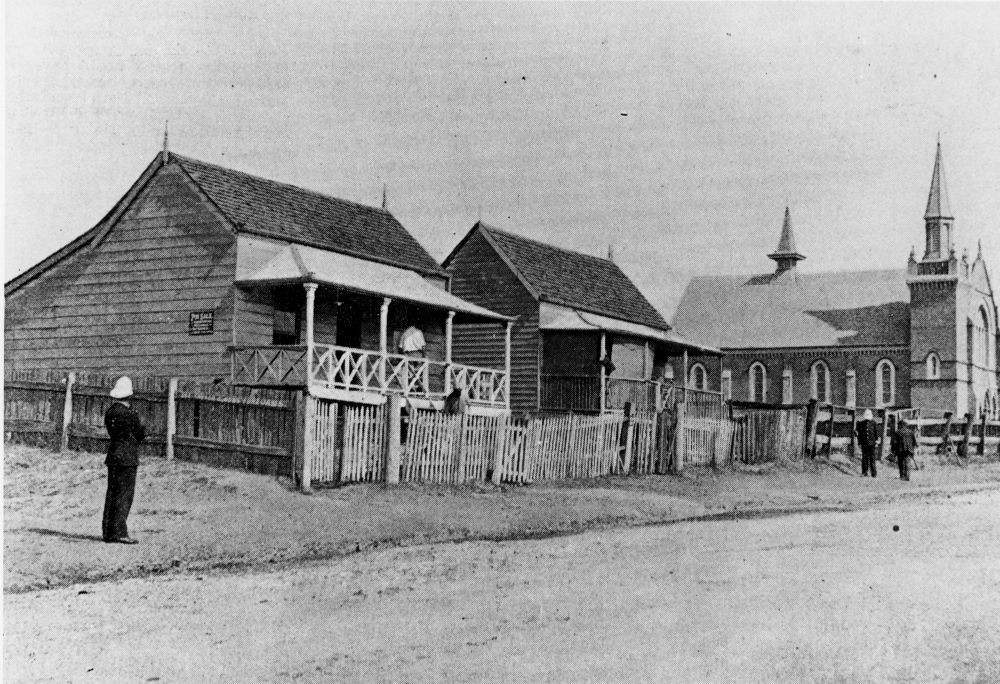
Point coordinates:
pixel 573 279
pixel 286 212
pixel 812 310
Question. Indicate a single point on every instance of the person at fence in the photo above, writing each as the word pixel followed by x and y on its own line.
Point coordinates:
pixel 127 432
pixel 904 447
pixel 458 401
pixel 868 441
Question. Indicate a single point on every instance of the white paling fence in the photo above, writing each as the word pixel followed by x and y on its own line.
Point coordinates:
pixel 351 444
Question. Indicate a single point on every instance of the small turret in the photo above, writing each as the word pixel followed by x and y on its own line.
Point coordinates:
pixel 786 255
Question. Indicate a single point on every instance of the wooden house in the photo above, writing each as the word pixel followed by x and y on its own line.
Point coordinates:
pixel 204 272
pixel 585 338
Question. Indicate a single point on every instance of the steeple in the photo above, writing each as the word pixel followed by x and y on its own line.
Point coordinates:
pixel 938 217
pixel 786 255
pixel 937 200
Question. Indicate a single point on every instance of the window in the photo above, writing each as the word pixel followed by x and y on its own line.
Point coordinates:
pixel 727 384
pixel 758 382
pixel 885 383
pixel 286 327
pixel 851 390
pixel 786 386
pixel 934 240
pixel 819 378
pixel 933 366
pixel 698 377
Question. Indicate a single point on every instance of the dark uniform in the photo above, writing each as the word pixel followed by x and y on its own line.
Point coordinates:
pixel 868 441
pixel 904 447
pixel 126 431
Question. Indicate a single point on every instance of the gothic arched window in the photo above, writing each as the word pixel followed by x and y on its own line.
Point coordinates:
pixel 758 382
pixel 698 377
pixel 933 366
pixel 885 383
pixel 819 378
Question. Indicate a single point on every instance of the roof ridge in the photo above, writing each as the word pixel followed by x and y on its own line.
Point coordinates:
pixel 182 158
pixel 547 245
pixel 800 275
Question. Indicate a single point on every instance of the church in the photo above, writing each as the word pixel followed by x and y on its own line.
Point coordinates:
pixel 923 336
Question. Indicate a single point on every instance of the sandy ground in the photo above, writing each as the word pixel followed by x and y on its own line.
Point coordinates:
pixel 192 519
pixel 837 597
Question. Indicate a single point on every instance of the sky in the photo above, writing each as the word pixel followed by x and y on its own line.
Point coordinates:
pixel 675 134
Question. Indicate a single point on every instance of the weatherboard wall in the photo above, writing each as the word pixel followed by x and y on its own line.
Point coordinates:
pixel 479 275
pixel 124 304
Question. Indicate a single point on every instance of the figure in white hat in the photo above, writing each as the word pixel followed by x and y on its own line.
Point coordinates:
pixel 126 432
pixel 868 438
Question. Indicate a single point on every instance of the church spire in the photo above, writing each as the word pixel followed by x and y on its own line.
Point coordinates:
pixel 938 206
pixel 786 255
pixel 938 217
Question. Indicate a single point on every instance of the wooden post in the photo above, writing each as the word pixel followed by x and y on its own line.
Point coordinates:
pixel 946 436
pixel 981 447
pixel 502 444
pixel 678 463
pixel 460 445
pixel 393 437
pixel 506 362
pixel 812 419
pixel 299 443
pixel 383 340
pixel 171 417
pixel 310 328
pixel 884 445
pixel 67 412
pixel 829 431
pixel 684 380
pixel 604 380
pixel 624 441
pixel 449 322
pixel 854 431
pixel 967 435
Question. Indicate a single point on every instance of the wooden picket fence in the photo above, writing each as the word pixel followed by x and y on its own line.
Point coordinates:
pixel 225 426
pixel 769 435
pixel 363 445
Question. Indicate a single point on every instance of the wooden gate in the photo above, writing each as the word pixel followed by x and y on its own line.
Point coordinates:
pixel 363 442
pixel 765 435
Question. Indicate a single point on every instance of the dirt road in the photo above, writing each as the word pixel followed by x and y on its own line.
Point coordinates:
pixel 807 597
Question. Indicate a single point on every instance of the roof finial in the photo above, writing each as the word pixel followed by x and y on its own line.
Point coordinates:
pixel 385 196
pixel 166 146
pixel 611 252
pixel 786 255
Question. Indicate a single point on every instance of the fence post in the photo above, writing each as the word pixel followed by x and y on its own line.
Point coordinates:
pixel 884 446
pixel 854 431
pixel 393 436
pixel 966 435
pixel 67 412
pixel 301 471
pixel 981 447
pixel 677 466
pixel 624 441
pixel 829 431
pixel 460 474
pixel 812 417
pixel 171 417
pixel 503 430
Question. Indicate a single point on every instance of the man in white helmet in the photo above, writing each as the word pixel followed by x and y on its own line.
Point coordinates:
pixel 868 439
pixel 126 431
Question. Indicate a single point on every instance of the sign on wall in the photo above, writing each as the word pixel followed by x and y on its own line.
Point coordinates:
pixel 201 323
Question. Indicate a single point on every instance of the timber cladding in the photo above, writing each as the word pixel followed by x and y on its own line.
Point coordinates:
pixel 123 304
pixel 479 275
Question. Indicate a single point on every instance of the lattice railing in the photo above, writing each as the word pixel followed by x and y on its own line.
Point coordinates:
pixel 484 385
pixel 269 365
pixel 362 370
